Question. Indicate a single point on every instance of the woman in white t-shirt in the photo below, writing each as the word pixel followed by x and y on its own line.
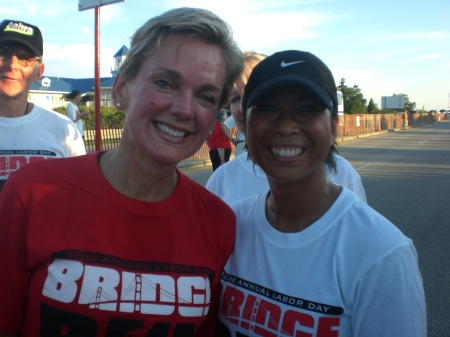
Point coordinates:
pixel 73 112
pixel 311 258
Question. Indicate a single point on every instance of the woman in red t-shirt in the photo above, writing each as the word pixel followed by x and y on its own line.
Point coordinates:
pixel 219 144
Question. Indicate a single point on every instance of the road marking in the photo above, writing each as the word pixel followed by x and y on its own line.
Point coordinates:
pixel 359 168
pixel 423 142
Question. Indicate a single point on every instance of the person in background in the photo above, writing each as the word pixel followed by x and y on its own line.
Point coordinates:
pixel 251 59
pixel 122 243
pixel 28 133
pixel 311 258
pixel 405 120
pixel 73 110
pixel 242 178
pixel 220 145
pixel 239 141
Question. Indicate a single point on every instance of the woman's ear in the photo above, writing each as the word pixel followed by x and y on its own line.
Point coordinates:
pixel 119 93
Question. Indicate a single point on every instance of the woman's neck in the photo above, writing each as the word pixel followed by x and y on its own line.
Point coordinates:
pixel 136 178
pixel 290 208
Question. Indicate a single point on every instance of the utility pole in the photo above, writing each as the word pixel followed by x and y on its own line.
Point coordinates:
pixel 84 5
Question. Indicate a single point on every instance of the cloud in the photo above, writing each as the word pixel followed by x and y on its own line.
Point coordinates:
pixel 429 56
pixel 417 36
pixel 109 14
pixel 238 7
pixel 76 60
pixel 355 76
pixel 393 53
pixel 410 43
pixel 258 25
pixel 26 8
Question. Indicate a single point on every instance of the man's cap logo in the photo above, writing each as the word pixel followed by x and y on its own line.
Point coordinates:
pixel 19 28
pixel 284 64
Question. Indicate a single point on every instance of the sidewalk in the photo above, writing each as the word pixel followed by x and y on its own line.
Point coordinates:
pixel 190 164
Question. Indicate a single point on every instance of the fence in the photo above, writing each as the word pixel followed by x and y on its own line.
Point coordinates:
pixel 348 125
pixel 110 134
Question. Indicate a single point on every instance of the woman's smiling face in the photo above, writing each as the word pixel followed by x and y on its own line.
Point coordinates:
pixel 172 103
pixel 289 133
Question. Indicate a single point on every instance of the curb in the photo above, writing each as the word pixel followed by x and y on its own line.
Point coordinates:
pixel 190 164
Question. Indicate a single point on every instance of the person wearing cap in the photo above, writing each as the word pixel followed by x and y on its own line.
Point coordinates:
pixel 311 258
pixel 242 178
pixel 28 133
pixel 121 243
pixel 73 111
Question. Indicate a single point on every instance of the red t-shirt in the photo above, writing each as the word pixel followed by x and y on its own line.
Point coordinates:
pixel 218 139
pixel 78 257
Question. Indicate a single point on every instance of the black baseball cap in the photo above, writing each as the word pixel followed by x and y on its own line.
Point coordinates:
pixel 24 33
pixel 291 66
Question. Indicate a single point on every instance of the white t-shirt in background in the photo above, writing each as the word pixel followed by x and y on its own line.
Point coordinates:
pixel 240 178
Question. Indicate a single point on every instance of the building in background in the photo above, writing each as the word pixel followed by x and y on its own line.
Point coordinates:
pixel 51 91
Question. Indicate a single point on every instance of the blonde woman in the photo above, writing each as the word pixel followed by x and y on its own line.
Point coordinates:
pixel 122 243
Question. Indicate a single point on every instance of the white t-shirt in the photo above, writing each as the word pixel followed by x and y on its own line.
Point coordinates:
pixel 240 178
pixel 351 273
pixel 72 112
pixel 41 134
pixel 230 123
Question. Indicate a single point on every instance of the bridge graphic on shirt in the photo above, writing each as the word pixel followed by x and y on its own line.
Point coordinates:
pixel 132 297
pixel 105 282
pixel 249 307
pixel 12 160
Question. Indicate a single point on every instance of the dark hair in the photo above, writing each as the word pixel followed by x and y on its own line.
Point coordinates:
pixel 73 94
pixel 221 115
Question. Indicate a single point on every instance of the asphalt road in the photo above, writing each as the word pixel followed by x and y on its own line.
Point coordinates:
pixel 406 176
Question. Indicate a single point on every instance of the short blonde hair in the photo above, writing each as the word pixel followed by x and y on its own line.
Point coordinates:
pixel 251 59
pixel 251 55
pixel 200 23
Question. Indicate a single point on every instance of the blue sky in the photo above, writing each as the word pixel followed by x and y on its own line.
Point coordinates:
pixel 384 47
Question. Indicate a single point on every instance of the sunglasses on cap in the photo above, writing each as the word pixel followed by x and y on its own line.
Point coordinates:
pixel 24 58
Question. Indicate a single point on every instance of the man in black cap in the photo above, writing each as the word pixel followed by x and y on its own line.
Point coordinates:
pixel 28 132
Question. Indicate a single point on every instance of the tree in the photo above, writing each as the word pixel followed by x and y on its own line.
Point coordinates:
pixel 372 107
pixel 408 104
pixel 354 102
